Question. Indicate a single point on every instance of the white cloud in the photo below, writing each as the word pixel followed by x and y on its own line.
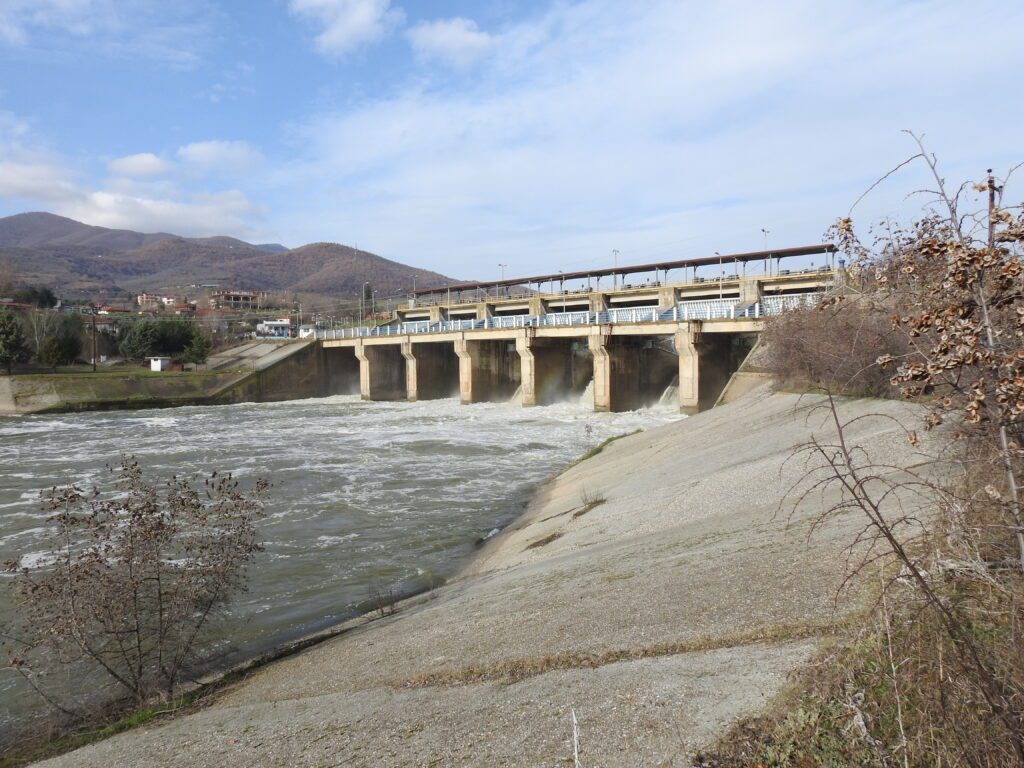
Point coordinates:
pixel 39 180
pixel 139 165
pixel 232 83
pixel 200 215
pixel 133 199
pixel 220 156
pixel 348 24
pixel 152 29
pixel 456 42
pixel 19 17
pixel 665 131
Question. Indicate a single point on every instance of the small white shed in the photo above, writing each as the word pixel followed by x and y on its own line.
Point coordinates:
pixel 159 363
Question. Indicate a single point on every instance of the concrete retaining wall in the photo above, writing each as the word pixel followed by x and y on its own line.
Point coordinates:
pixel 301 374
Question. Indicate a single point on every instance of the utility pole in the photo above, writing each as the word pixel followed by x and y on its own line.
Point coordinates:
pixel 721 273
pixel 94 339
pixel 991 209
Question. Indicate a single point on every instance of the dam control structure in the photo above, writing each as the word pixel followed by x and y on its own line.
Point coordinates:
pixel 678 336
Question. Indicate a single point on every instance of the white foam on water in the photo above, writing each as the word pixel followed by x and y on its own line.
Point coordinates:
pixel 362 491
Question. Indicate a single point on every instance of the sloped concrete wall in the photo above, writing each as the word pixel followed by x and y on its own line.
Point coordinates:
pixel 303 373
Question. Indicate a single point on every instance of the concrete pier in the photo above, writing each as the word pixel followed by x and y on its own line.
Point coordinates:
pixel 341 371
pixel 489 370
pixel 431 370
pixel 631 371
pixel 381 371
pixel 553 369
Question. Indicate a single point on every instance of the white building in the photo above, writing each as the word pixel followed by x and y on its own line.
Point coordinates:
pixel 279 329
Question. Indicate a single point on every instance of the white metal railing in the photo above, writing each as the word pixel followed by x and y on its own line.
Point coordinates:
pixel 633 315
pixel 700 309
pixel 705 309
pixel 568 318
pixel 775 305
pixel 510 321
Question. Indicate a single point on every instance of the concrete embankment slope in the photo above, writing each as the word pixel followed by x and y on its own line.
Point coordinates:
pixel 254 372
pixel 678 604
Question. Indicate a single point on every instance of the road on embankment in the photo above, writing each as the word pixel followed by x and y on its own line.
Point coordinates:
pixel 654 588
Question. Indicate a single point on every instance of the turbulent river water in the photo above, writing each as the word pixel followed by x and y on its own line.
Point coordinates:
pixel 365 495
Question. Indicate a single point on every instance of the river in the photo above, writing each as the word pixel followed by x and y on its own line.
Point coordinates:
pixel 386 494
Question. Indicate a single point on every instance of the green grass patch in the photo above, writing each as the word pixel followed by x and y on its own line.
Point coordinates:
pixel 127 374
pixel 600 447
pixel 43 750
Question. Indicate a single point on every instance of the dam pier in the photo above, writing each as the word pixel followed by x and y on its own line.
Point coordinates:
pixel 630 345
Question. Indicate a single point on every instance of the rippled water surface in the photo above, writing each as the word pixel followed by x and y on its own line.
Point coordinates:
pixel 363 493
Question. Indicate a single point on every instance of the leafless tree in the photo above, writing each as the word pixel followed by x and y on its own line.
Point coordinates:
pixel 135 577
pixel 40 323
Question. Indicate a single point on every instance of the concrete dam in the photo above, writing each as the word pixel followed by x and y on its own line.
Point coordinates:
pixel 630 345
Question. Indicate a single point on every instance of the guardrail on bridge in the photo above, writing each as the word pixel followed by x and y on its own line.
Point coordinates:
pixel 701 309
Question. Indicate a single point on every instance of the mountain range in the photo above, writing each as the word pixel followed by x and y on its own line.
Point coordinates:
pixel 77 259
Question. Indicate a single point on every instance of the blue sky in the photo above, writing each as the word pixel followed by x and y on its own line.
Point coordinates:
pixel 459 135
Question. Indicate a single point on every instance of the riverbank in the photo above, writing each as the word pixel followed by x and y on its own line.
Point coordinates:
pixel 653 588
pixel 257 372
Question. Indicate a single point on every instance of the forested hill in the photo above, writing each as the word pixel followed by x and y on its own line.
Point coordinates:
pixel 76 258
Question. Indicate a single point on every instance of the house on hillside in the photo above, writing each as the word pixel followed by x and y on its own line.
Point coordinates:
pixel 149 301
pixel 241 300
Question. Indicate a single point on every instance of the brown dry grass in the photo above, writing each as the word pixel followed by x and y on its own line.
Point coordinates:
pixel 544 541
pixel 514 670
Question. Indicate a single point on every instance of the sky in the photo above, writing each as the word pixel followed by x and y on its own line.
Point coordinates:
pixel 459 136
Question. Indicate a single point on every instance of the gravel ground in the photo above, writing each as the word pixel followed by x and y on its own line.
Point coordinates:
pixel 693 566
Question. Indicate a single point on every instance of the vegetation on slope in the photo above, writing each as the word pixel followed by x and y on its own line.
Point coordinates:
pixel 933 314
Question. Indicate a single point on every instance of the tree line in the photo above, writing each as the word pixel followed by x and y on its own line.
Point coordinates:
pixel 54 338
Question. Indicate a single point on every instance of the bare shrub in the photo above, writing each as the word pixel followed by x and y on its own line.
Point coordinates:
pixel 136 575
pixel 381 599
pixel 834 347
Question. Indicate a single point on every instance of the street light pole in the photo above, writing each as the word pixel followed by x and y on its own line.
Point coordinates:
pixel 615 262
pixel 766 260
